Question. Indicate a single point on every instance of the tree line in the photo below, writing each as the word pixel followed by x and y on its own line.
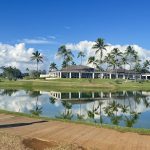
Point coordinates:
pixel 113 60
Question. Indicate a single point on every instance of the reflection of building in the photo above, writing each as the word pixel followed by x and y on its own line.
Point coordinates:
pixel 80 71
pixel 79 95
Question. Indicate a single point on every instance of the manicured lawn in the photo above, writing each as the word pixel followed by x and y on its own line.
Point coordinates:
pixel 76 84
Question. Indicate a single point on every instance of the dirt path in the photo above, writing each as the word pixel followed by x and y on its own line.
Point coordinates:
pixel 86 136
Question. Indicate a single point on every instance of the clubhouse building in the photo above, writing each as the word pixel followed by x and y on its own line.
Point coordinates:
pixel 81 71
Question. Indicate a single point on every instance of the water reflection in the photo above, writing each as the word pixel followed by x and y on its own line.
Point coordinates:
pixel 125 108
pixel 37 110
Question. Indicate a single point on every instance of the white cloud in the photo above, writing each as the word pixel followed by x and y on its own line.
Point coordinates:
pixel 38 41
pixel 16 55
pixel 52 37
pixel 86 46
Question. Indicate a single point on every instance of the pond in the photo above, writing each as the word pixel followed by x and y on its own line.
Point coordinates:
pixel 124 108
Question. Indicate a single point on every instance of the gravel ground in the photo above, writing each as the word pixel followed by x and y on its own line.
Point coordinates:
pixel 11 142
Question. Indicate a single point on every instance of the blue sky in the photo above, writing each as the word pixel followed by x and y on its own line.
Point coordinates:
pixel 59 22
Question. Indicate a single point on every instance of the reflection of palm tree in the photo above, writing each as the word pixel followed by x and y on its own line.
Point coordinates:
pixel 100 111
pixel 52 100
pixel 80 116
pixel 67 114
pixel 124 108
pixel 131 119
pixel 111 110
pixel 108 111
pixel 116 119
pixel 37 110
pixel 8 92
pixel 91 113
pixel 146 103
pixel 114 106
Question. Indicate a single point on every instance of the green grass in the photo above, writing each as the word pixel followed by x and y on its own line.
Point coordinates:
pixel 141 131
pixel 76 85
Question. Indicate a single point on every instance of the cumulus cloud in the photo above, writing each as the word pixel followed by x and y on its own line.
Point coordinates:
pixel 86 46
pixel 16 55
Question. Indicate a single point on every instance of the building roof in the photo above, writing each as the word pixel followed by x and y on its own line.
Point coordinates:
pixel 121 70
pixel 78 68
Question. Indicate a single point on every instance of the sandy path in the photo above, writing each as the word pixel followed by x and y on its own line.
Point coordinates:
pixel 87 136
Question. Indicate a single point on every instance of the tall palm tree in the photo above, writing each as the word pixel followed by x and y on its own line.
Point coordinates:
pixel 81 55
pixel 65 53
pixel 124 62
pixel 112 63
pixel 116 52
pixel 69 59
pixel 107 59
pixel 37 57
pixel 129 53
pixel 100 46
pixel 136 61
pixel 52 66
pixel 62 51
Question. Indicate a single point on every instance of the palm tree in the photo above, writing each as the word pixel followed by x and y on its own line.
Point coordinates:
pixel 69 59
pixel 52 66
pixel 112 63
pixel 66 54
pixel 37 57
pixel 145 67
pixel 116 52
pixel 124 62
pixel 64 64
pixel 129 53
pixel 136 60
pixel 100 46
pixel 81 55
pixel 62 51
pixel 93 61
pixel 107 59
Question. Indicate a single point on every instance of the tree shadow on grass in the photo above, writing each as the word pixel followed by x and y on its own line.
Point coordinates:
pixel 20 124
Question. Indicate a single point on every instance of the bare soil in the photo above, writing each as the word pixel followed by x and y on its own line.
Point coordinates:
pixel 62 135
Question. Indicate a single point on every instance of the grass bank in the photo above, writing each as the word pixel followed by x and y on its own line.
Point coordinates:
pixel 76 85
pixel 141 131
